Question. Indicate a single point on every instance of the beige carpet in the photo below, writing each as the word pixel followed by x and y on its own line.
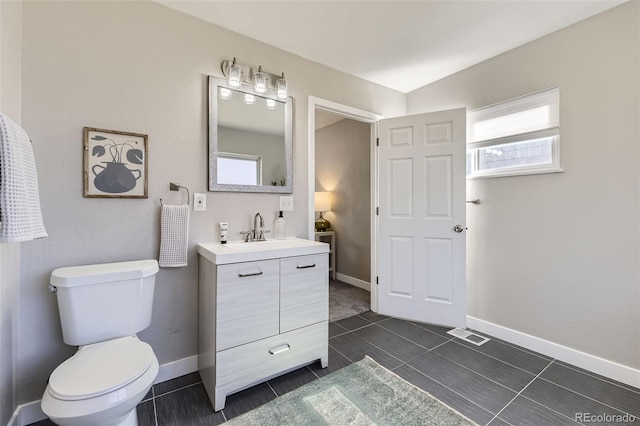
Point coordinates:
pixel 346 300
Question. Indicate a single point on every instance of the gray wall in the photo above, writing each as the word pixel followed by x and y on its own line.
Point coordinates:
pixel 10 104
pixel 556 256
pixel 141 67
pixel 343 154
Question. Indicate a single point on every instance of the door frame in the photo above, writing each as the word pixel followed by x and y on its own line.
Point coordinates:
pixel 358 115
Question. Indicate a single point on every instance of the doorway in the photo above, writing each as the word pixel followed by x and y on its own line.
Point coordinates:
pixel 341 162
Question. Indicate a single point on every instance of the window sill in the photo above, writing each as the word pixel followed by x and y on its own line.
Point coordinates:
pixel 515 173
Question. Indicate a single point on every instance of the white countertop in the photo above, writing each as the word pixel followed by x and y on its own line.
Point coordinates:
pixel 237 251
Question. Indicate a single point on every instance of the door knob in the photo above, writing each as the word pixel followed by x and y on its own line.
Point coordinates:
pixel 458 228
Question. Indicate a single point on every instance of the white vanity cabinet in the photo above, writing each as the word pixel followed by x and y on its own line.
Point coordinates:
pixel 263 311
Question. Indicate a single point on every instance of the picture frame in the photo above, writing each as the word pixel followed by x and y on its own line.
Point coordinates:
pixel 115 164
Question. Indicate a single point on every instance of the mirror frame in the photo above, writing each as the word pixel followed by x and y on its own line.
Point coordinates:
pixel 214 83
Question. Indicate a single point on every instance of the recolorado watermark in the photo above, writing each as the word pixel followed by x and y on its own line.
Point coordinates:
pixel 604 418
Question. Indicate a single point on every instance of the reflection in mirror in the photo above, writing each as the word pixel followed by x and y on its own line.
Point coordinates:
pixel 250 140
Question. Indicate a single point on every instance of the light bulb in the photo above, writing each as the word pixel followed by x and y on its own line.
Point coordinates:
pixel 271 104
pixel 281 87
pixel 224 93
pixel 260 81
pixel 235 74
pixel 249 99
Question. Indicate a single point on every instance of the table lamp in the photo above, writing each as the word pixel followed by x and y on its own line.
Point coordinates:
pixel 322 204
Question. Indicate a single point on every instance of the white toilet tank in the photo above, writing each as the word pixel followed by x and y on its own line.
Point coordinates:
pixel 106 301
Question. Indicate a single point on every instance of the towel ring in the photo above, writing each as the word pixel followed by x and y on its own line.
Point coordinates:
pixel 175 187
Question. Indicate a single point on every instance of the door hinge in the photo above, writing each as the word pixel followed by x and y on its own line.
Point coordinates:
pixel 377 283
pixel 377 141
pixel 377 211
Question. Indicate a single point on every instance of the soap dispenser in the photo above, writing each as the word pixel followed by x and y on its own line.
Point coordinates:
pixel 280 231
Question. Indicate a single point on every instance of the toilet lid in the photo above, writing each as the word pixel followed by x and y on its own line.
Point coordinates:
pixel 101 368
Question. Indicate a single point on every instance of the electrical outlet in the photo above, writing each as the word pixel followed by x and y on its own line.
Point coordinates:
pixel 286 203
pixel 199 202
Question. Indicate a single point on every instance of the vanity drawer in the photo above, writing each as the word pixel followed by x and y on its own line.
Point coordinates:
pixel 304 291
pixel 247 302
pixel 243 366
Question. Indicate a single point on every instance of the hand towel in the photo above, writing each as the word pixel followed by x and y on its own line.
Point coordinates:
pixel 174 235
pixel 20 215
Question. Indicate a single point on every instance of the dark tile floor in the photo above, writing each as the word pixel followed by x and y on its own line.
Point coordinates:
pixel 494 384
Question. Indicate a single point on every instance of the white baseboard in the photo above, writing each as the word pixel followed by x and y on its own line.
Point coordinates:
pixel 353 281
pixel 26 414
pixel 177 368
pixel 31 412
pixel 592 363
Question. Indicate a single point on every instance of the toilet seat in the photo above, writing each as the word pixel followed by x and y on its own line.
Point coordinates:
pixel 101 368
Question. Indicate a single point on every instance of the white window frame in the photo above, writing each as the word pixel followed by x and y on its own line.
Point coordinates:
pixel 257 160
pixel 526 132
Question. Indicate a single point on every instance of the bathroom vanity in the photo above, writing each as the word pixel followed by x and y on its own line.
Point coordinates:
pixel 263 311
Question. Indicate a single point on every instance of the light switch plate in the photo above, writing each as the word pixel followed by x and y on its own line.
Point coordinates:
pixel 286 203
pixel 199 202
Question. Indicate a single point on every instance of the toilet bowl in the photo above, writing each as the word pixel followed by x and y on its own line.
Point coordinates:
pixel 101 384
pixel 102 308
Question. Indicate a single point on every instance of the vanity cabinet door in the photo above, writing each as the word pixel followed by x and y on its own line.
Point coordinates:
pixel 247 302
pixel 304 291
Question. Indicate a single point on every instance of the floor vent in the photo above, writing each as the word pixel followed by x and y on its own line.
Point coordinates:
pixel 470 337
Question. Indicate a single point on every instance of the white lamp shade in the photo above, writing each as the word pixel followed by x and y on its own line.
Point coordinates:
pixel 323 201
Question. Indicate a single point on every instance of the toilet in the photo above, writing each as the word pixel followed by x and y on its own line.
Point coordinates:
pixel 102 307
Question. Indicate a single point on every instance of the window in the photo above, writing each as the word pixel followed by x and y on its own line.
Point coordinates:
pixel 517 137
pixel 239 169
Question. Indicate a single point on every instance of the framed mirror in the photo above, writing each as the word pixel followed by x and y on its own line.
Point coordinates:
pixel 250 140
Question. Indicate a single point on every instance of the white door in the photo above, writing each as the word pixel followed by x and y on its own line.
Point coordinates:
pixel 421 222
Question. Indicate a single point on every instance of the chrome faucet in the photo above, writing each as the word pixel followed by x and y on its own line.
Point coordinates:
pixel 257 232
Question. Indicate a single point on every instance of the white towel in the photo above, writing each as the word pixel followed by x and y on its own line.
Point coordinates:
pixel 19 197
pixel 174 235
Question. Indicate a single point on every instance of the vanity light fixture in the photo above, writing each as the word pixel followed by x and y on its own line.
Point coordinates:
pixel 260 81
pixel 271 103
pixel 235 74
pixel 224 93
pixel 249 99
pixel 282 87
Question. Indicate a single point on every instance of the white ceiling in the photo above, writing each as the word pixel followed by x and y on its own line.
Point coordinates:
pixel 403 45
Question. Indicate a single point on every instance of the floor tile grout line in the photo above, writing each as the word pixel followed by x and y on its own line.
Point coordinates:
pixel 176 390
pixel 408 340
pixel 493 357
pixel 474 371
pixel 413 341
pixel 314 373
pixel 272 389
pixel 346 357
pixel 379 348
pixel 449 389
pixel 514 346
pixel 155 412
pixel 443 343
pixel 602 379
pixel 587 397
pixel 523 389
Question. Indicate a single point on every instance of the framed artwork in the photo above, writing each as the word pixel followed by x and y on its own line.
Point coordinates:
pixel 115 164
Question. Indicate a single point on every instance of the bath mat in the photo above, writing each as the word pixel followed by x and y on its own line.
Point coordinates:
pixel 363 393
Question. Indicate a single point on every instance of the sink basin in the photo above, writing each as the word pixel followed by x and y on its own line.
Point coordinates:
pixel 263 245
pixel 235 252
